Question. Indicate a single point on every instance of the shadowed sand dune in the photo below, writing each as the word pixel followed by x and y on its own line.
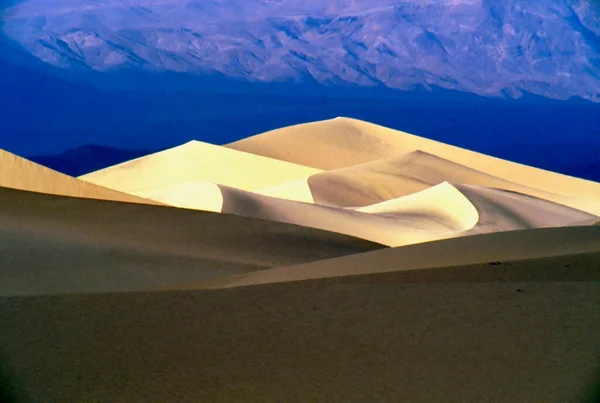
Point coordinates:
pixel 19 173
pixel 51 244
pixel 197 161
pixel 309 341
pixel 468 250
pixel 343 142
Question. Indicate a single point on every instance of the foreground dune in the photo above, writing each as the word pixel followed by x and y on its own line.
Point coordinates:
pixel 529 341
pixel 344 142
pixel 51 244
pixel 197 161
pixel 19 173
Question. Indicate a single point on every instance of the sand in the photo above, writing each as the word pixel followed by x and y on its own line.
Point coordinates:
pixel 308 341
pixel 283 288
pixel 197 161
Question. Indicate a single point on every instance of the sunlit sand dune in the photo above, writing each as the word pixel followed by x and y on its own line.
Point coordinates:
pixel 297 190
pixel 51 244
pixel 438 212
pixel 197 161
pixel 412 172
pixel 198 195
pixel 343 142
pixel 19 173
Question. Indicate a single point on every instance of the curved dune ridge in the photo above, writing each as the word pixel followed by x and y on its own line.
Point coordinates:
pixel 258 258
pixel 197 161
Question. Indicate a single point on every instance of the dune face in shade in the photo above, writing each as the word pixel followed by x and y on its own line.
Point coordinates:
pixel 54 245
pixel 330 261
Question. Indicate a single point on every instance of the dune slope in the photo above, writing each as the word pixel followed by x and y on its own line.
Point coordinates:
pixel 197 161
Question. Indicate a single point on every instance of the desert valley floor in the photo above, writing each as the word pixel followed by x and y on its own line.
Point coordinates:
pixel 330 261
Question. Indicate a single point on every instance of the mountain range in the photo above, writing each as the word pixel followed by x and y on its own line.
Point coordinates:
pixel 487 47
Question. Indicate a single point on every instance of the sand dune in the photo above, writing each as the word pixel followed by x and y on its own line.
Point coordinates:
pixel 283 289
pixel 198 195
pixel 51 244
pixel 328 144
pixel 468 250
pixel 19 173
pixel 435 213
pixel 344 142
pixel 309 341
pixel 401 175
pixel 197 161
pixel 501 210
pixel 441 211
pixel 404 174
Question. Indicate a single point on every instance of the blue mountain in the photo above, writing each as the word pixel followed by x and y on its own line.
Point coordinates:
pixel 502 48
